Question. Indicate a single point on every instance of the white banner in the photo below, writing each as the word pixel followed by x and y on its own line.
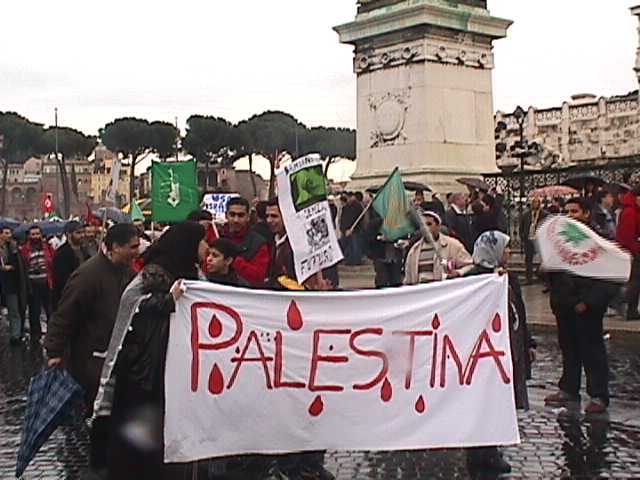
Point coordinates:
pixel 302 196
pixel 427 366
pixel 568 245
pixel 216 203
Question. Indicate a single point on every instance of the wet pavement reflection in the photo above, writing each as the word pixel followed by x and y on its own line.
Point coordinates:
pixel 556 444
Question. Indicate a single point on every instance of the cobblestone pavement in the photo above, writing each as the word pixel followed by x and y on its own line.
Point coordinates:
pixel 556 444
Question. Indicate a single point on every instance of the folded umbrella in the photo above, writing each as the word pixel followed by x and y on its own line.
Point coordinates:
pixel 53 398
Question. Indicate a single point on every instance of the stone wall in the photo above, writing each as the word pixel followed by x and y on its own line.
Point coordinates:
pixel 584 129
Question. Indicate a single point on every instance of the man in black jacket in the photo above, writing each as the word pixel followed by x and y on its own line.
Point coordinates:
pixel 67 259
pixel 579 304
pixel 13 283
pixel 458 222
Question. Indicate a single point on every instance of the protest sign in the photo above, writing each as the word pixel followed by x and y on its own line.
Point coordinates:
pixel 568 245
pixel 302 196
pixel 418 367
pixel 216 203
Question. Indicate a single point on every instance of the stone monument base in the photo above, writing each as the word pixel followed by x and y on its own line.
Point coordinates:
pixel 425 95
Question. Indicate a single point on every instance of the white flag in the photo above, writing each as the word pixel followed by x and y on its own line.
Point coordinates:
pixel 568 245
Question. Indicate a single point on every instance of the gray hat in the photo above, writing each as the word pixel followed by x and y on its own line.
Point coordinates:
pixel 72 226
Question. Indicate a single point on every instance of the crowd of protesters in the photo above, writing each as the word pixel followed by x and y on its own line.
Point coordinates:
pixel 78 287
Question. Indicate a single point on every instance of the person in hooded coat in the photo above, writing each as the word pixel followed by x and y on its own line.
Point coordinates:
pixel 490 254
pixel 137 438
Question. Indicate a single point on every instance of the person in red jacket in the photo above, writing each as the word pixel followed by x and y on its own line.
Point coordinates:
pixel 628 236
pixel 38 258
pixel 253 263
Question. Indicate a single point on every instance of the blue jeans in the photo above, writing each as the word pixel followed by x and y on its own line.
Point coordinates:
pixel 38 301
pixel 16 324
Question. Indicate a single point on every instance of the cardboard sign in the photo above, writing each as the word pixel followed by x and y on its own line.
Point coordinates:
pixel 302 196
pixel 216 203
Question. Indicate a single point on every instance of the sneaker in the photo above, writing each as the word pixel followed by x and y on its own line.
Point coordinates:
pixel 559 398
pixel 497 464
pixel 595 406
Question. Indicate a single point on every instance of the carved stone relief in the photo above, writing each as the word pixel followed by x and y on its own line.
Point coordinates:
pixel 389 117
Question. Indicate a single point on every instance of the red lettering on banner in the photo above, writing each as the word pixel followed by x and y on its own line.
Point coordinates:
pixel 478 354
pixel 196 345
pixel 449 351
pixel 316 358
pixel 278 382
pixel 370 354
pixel 412 351
pixel 262 358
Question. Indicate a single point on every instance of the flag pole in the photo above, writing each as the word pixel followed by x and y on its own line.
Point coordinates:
pixel 350 230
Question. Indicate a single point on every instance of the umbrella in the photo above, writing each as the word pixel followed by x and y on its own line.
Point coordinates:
pixel 408 185
pixel 620 187
pixel 48 228
pixel 9 222
pixel 553 191
pixel 113 214
pixel 476 183
pixel 580 183
pixel 53 398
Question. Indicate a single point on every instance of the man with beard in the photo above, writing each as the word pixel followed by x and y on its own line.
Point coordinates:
pixel 81 327
pixel 38 257
pixel 90 239
pixel 67 259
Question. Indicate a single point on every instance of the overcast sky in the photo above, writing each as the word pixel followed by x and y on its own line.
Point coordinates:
pixel 160 59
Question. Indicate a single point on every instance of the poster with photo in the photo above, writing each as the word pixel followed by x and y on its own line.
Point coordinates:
pixel 302 196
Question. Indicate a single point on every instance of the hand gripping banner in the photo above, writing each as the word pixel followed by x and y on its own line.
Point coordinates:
pixel 273 372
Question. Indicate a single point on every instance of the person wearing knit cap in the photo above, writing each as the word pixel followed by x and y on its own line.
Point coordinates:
pixel 67 259
pixel 424 264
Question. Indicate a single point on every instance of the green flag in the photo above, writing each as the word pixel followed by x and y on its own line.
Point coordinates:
pixel 175 191
pixel 393 205
pixel 136 213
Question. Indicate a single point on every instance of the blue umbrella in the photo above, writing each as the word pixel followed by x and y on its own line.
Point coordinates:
pixel 9 222
pixel 53 398
pixel 48 228
pixel 113 214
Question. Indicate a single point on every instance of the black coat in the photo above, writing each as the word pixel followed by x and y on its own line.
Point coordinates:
pixel 16 281
pixel 519 336
pixel 459 227
pixel 65 262
pixel 568 290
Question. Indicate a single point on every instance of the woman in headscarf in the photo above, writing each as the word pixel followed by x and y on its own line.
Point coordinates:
pixel 491 254
pixel 136 447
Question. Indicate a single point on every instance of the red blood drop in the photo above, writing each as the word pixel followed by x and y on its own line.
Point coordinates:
pixel 435 323
pixel 387 390
pixel 294 316
pixel 216 381
pixel 497 323
pixel 215 327
pixel 421 405
pixel 316 407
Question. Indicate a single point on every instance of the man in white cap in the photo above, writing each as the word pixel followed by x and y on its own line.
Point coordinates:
pixel 424 264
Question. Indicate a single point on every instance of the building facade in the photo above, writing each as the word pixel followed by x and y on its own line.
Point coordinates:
pixel 585 130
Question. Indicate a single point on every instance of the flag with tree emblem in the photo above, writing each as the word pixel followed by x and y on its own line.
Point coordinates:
pixel 175 191
pixel 570 246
